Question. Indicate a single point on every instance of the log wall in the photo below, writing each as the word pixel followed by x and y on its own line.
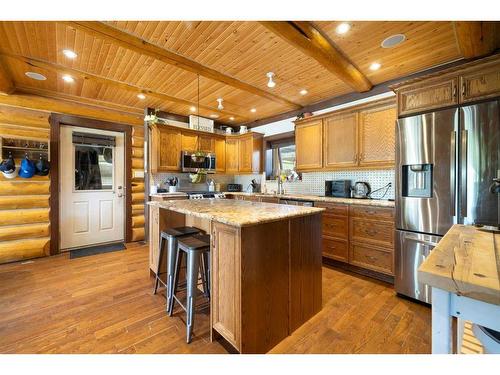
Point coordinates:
pixel 24 203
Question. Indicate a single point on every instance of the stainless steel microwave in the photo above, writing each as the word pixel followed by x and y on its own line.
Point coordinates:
pixel 193 161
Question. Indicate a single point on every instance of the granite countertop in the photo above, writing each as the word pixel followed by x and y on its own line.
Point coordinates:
pixel 237 213
pixel 320 198
pixel 465 262
pixel 166 195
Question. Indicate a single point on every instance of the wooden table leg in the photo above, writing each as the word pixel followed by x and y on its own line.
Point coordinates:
pixel 441 322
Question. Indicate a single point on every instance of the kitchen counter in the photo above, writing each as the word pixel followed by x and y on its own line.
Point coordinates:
pixel 266 265
pixel 320 198
pixel 236 212
pixel 464 273
pixel 178 194
pixel 465 262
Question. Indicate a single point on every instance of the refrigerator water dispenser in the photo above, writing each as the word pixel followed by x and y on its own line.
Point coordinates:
pixel 417 180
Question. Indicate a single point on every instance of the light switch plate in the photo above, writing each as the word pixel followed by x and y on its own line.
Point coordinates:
pixel 138 174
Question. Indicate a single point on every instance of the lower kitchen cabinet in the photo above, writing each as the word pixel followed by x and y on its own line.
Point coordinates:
pixel 359 235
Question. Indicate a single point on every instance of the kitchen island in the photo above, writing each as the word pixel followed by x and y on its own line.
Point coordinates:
pixel 464 273
pixel 265 265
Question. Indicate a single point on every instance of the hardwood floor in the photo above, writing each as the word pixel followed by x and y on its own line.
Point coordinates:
pixel 103 304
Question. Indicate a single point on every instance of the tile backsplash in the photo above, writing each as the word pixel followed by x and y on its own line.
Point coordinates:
pixel 314 182
pixel 311 183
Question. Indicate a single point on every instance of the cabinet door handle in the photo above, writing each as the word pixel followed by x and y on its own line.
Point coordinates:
pixel 463 89
pixel 454 91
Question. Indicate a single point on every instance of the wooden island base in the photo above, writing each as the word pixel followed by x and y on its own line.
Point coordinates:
pixel 266 278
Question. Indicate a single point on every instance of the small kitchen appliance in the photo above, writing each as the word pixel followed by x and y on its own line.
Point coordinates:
pixel 234 187
pixel 361 190
pixel 338 188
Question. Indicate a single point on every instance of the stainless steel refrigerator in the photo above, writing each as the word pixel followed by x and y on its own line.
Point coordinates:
pixel 446 162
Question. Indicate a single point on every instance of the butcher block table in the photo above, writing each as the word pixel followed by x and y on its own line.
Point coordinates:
pixel 265 265
pixel 464 273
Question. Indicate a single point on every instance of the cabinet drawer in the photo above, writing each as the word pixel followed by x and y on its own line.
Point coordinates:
pixel 335 249
pixel 270 200
pixel 335 226
pixel 370 257
pixel 333 208
pixel 371 231
pixel 251 198
pixel 374 213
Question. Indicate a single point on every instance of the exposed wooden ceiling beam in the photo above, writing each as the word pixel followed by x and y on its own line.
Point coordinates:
pixel 478 38
pixel 134 43
pixel 118 84
pixel 306 37
pixel 6 84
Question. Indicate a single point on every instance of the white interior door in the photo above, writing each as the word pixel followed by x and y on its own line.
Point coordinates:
pixel 92 194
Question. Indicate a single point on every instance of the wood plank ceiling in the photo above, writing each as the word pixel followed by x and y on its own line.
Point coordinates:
pixel 111 73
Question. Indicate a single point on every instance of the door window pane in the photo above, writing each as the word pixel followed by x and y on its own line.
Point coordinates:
pixel 93 167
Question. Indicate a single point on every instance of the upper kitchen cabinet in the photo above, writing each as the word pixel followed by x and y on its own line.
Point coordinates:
pixel 189 142
pixel 359 137
pixel 220 155
pixel 480 84
pixel 232 155
pixel 341 141
pixel 377 136
pixel 250 153
pixel 309 145
pixel 165 149
pixel 206 143
pixel 478 80
pixel 428 96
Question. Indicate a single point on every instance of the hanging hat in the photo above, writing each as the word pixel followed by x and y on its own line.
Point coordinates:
pixel 42 167
pixel 8 167
pixel 27 169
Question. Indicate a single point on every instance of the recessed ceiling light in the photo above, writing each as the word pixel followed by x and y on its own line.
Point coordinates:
pixel 68 78
pixel 375 66
pixel 141 96
pixel 393 41
pixel 303 92
pixel 37 76
pixel 343 28
pixel 213 115
pixel 253 110
pixel 231 118
pixel 69 54
pixel 270 83
pixel 192 108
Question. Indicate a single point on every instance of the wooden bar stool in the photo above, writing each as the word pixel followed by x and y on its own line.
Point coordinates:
pixel 197 250
pixel 169 237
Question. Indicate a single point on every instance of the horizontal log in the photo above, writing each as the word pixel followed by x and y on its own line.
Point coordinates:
pixel 34 215
pixel 18 131
pixel 137 178
pixel 137 221
pixel 69 108
pixel 23 187
pixel 24 180
pixel 137 163
pixel 138 152
pixel 137 197
pixel 26 201
pixel 11 251
pixel 16 232
pixel 137 234
pixel 138 131
pixel 137 187
pixel 24 117
pixel 137 142
pixel 137 209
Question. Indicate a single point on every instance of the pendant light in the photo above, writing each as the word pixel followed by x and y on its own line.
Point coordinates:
pixel 270 83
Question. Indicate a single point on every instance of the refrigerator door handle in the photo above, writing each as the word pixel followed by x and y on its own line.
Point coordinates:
pixel 463 175
pixel 423 242
pixel 453 171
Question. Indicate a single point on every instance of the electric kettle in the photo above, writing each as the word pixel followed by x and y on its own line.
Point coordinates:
pixel 361 190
